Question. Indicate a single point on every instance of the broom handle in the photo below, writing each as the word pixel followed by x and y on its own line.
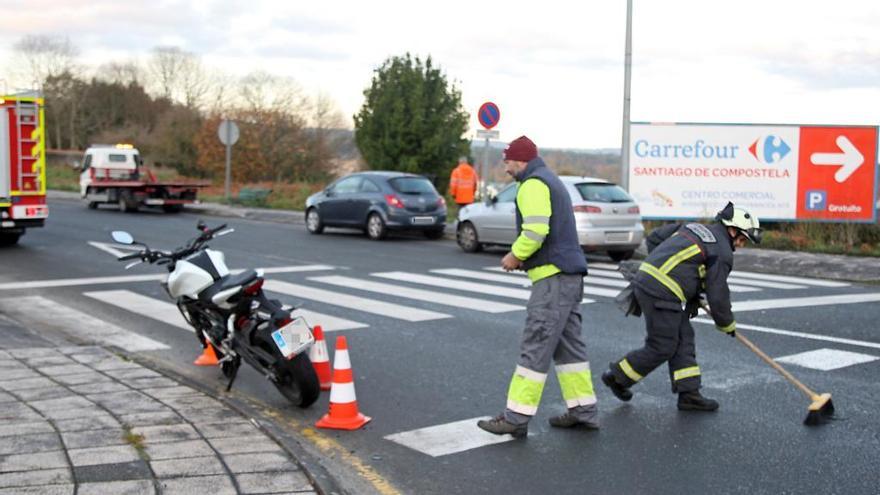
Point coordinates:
pixel 767 359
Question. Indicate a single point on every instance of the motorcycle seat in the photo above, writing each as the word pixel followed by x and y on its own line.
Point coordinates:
pixel 228 282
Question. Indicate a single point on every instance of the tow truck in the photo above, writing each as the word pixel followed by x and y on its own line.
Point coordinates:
pixel 22 166
pixel 115 174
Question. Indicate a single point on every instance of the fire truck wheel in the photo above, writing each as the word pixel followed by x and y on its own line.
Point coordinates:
pixel 127 206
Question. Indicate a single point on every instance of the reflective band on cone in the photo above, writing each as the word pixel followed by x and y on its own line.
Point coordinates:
pixel 321 359
pixel 343 414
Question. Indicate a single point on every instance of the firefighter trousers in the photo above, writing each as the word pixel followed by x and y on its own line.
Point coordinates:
pixel 670 338
pixel 553 333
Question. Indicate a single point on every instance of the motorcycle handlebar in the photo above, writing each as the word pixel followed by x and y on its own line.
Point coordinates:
pixel 129 257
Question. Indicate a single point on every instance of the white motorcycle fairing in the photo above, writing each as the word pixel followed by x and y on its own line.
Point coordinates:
pixel 196 272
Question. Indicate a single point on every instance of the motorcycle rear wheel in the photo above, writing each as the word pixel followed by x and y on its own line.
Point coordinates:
pixel 297 380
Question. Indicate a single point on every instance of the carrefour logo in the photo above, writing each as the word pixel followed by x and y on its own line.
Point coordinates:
pixel 769 149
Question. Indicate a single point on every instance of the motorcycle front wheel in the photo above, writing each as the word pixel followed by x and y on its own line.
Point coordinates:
pixel 297 380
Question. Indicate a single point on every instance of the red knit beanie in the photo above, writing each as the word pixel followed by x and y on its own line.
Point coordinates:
pixel 521 149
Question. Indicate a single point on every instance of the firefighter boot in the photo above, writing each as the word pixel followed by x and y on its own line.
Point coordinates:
pixel 500 426
pixel 569 420
pixel 619 391
pixel 694 401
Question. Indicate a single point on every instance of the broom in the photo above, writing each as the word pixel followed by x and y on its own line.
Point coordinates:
pixel 820 410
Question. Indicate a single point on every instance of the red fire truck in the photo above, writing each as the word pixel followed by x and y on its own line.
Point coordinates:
pixel 22 166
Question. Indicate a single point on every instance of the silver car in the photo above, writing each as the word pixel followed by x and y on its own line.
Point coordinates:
pixel 607 218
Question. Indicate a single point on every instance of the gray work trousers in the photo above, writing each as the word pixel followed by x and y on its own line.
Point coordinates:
pixel 553 334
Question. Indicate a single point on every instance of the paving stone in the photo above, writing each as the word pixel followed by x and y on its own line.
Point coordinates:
pixel 210 415
pixel 63 489
pixel 67 369
pixel 24 428
pixel 132 373
pixel 27 444
pixel 61 403
pixel 102 455
pixel 170 392
pixel 198 402
pixel 83 412
pixel 30 352
pixel 4 397
pixel 243 445
pixel 161 417
pixel 26 384
pixel 194 466
pixel 120 398
pixel 259 462
pixel 93 358
pixel 99 422
pixel 53 360
pixel 167 433
pixel 220 430
pixel 108 387
pixel 52 392
pixel 35 478
pixel 136 470
pixel 216 485
pixel 77 349
pixel 19 373
pixel 94 438
pixel 179 450
pixel 25 462
pixel 276 483
pixel 5 355
pixel 114 363
pixel 17 411
pixel 152 382
pixel 82 378
pixel 139 487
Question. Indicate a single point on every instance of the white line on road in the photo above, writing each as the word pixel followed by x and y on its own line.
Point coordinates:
pixel 447 283
pixel 328 323
pixel 785 278
pixel 116 250
pixel 70 282
pixel 762 283
pixel 514 278
pixel 143 305
pixel 382 308
pixel 475 304
pixel 827 359
pixel 801 302
pixel 448 439
pixel 43 312
pixel 802 335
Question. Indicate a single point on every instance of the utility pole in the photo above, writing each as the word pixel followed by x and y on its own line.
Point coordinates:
pixel 627 74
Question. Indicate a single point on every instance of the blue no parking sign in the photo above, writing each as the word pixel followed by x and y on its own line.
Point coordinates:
pixel 489 115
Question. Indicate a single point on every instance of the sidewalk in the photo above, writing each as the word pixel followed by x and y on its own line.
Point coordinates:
pixel 84 420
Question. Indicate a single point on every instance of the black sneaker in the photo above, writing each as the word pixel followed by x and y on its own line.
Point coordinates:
pixel 568 420
pixel 500 426
pixel 694 401
pixel 619 391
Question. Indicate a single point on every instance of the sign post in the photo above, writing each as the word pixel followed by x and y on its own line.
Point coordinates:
pixel 488 115
pixel 228 134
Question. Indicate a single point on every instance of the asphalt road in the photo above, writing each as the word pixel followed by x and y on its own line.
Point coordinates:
pixel 455 366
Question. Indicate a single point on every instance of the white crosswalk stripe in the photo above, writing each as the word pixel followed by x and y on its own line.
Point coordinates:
pixel 417 278
pixel 763 283
pixel 475 304
pixel 390 310
pixel 328 323
pixel 515 278
pixel 785 278
pixel 752 278
pixel 142 305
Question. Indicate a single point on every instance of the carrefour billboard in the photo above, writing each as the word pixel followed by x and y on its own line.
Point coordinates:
pixel 779 172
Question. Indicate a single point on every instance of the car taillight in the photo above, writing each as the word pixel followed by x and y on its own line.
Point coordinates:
pixel 633 209
pixel 587 209
pixel 254 288
pixel 393 200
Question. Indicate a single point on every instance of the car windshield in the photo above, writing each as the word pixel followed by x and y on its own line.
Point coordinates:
pixel 602 193
pixel 412 185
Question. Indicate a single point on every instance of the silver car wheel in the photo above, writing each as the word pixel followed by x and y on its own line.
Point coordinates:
pixel 313 221
pixel 375 227
pixel 467 238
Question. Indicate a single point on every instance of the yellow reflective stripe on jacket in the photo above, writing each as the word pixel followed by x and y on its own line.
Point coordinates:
pixel 678 257
pixel 686 373
pixel 542 272
pixel 524 394
pixel 629 371
pixel 533 201
pixel 728 328
pixel 576 383
pixel 664 279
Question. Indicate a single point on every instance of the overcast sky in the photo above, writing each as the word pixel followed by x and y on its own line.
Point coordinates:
pixel 554 68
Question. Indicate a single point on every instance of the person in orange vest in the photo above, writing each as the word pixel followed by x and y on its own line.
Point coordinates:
pixel 463 183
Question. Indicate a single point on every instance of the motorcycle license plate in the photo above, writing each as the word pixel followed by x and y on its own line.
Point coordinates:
pixel 293 338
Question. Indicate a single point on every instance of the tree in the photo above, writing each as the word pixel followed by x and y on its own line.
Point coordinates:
pixel 40 57
pixel 179 75
pixel 412 120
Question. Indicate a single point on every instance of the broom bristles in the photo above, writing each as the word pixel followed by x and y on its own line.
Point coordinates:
pixel 821 411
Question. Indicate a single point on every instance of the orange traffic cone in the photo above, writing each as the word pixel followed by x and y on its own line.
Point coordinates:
pixel 321 359
pixel 207 358
pixel 343 414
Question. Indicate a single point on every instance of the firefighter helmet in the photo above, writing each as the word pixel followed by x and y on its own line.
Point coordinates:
pixel 738 218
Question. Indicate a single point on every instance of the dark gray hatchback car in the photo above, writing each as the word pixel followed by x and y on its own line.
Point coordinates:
pixel 378 202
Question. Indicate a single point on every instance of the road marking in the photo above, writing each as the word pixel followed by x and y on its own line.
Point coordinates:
pixel 328 323
pixel 785 278
pixel 116 250
pixel 449 438
pixel 761 283
pixel 382 308
pixel 514 279
pixel 802 335
pixel 800 302
pixel 142 305
pixel 43 312
pixel 70 282
pixel 827 359
pixel 489 277
pixel 475 304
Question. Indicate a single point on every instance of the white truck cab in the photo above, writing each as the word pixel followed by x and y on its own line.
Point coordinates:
pixel 120 162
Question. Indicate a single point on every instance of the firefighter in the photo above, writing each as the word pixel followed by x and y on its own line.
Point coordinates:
pixel 683 262
pixel 547 248
pixel 463 183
